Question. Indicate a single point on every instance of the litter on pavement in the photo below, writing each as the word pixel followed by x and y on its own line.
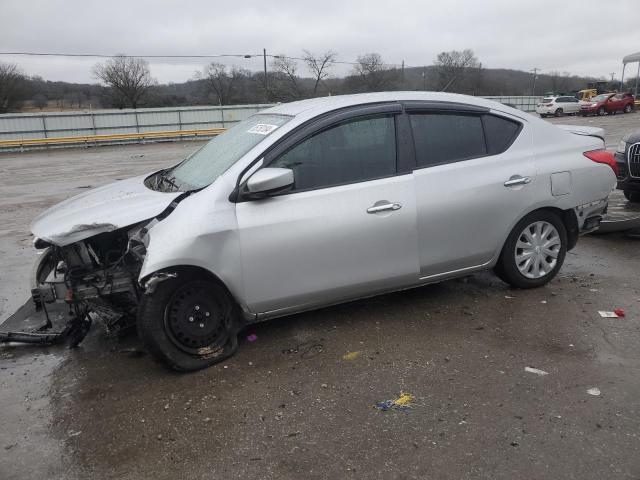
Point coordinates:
pixel 351 355
pixel 618 312
pixel 403 402
pixel 536 371
pixel 595 391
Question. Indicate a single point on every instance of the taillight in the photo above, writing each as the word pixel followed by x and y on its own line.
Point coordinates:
pixel 548 105
pixel 603 156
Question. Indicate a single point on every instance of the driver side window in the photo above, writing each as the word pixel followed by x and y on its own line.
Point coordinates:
pixel 352 151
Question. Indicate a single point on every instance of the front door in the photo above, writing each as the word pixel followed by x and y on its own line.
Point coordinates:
pixel 346 229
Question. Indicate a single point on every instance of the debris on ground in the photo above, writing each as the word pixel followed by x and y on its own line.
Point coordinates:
pixel 595 391
pixel 537 371
pixel 252 337
pixel 614 314
pixel 351 355
pixel 403 402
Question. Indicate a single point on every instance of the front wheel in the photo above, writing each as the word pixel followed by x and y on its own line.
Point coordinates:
pixel 633 197
pixel 534 251
pixel 601 111
pixel 188 323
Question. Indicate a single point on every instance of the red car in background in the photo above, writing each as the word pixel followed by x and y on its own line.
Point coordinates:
pixel 608 103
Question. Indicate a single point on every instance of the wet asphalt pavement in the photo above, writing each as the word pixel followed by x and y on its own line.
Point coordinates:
pixel 291 405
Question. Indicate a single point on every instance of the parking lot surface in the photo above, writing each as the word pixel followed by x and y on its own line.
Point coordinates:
pixel 300 400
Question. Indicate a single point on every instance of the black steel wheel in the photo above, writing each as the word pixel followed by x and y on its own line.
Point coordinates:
pixel 189 322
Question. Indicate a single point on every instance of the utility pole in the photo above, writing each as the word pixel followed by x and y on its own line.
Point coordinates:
pixel 424 78
pixel 535 77
pixel 402 78
pixel 266 84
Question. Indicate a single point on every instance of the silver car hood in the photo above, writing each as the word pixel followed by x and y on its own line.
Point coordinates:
pixel 99 210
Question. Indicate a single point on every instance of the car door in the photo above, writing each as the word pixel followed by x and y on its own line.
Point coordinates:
pixel 573 105
pixel 473 177
pixel 348 226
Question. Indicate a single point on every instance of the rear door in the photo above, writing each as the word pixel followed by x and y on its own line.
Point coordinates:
pixel 348 226
pixel 474 172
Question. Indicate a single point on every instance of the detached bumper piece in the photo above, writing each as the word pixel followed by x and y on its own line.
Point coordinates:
pixel 58 326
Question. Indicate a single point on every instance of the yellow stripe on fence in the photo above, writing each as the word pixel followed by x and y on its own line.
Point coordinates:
pixel 115 136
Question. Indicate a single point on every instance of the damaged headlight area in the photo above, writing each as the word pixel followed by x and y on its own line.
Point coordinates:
pixel 96 277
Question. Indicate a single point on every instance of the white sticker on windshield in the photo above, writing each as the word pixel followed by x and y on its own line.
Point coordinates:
pixel 262 129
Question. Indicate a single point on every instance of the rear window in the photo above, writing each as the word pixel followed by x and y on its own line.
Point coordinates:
pixel 547 100
pixel 500 133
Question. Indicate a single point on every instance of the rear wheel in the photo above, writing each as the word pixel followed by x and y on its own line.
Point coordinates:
pixel 542 115
pixel 559 112
pixel 601 111
pixel 188 323
pixel 627 108
pixel 632 196
pixel 534 251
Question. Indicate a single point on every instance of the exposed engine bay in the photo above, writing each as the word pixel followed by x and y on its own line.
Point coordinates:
pixel 96 277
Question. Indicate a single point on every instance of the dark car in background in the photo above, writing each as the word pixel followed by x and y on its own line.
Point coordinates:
pixel 608 103
pixel 628 159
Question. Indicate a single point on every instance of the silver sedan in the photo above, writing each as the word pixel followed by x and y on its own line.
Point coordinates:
pixel 319 202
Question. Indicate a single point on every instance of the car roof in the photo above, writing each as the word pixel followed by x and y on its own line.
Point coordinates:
pixel 317 106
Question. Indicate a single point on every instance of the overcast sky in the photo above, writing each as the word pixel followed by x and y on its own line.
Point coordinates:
pixel 574 36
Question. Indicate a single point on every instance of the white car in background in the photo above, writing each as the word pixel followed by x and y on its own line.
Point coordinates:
pixel 558 106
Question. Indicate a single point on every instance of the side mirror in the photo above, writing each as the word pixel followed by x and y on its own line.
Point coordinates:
pixel 268 181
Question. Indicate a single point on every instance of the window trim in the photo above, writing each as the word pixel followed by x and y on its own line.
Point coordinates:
pixel 468 113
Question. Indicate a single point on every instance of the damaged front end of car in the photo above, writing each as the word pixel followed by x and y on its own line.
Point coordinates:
pixel 94 277
pixel 91 249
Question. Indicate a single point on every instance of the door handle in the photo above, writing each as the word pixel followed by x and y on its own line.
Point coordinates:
pixel 382 207
pixel 517 180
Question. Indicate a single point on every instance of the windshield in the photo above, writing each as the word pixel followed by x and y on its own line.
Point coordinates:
pixel 599 98
pixel 215 157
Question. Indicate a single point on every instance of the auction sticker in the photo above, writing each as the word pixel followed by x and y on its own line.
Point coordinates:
pixel 262 129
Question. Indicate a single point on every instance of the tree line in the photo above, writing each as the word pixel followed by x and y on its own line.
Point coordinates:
pixel 127 82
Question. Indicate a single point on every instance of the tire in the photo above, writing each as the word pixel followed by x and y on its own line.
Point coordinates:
pixel 627 108
pixel 559 112
pixel 510 269
pixel 601 112
pixel 542 115
pixel 633 197
pixel 170 319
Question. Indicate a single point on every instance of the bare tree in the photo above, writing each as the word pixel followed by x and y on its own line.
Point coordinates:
pixel 559 81
pixel 319 66
pixel 12 87
pixel 285 69
pixel 453 66
pixel 128 77
pixel 40 101
pixel 221 81
pixel 374 75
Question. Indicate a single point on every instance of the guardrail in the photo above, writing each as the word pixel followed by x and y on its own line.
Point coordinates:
pixel 117 137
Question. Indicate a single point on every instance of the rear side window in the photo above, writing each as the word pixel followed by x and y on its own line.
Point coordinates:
pixel 500 133
pixel 443 138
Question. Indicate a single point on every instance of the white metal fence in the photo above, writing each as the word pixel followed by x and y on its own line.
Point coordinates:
pixel 51 125
pixel 109 122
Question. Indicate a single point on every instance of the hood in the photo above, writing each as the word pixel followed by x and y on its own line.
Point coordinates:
pixel 100 210
pixel 580 130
